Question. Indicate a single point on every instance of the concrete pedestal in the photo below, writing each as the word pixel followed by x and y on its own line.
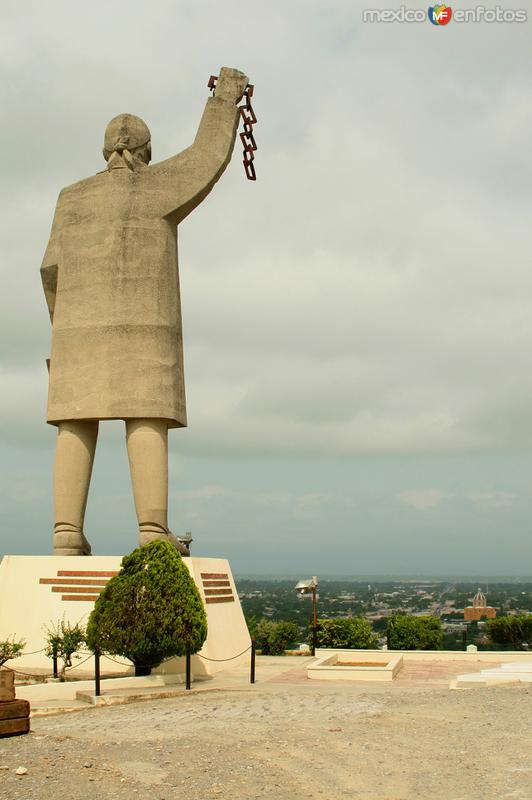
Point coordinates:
pixel 36 591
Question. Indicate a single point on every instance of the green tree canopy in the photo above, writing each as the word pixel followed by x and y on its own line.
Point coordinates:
pixel 273 638
pixel 150 611
pixel 514 631
pixel 349 632
pixel 11 648
pixel 414 633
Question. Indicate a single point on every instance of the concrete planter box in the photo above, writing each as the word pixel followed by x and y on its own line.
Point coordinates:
pixel 349 665
pixel 7 688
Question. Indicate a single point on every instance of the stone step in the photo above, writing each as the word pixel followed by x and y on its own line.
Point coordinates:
pixel 14 727
pixel 520 666
pixel 520 672
pixel 14 718
pixel 13 709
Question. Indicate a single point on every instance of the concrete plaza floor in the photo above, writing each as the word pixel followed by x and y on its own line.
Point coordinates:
pixel 270 669
pixel 285 737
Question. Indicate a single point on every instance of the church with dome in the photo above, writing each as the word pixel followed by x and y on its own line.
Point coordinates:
pixel 480 609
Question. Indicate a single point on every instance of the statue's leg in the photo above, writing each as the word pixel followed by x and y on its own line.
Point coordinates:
pixel 147 448
pixel 74 456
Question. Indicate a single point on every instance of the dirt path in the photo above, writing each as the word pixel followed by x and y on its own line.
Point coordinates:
pixel 281 740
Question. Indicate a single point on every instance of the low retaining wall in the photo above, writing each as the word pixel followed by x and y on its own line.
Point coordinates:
pixel 438 655
pixel 356 665
pixel 67 690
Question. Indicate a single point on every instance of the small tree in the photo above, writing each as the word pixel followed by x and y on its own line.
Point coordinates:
pixel 273 638
pixel 63 640
pixel 150 611
pixel 345 632
pixel 414 633
pixel 514 631
pixel 11 648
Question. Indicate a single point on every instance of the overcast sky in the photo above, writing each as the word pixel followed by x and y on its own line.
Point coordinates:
pixel 358 322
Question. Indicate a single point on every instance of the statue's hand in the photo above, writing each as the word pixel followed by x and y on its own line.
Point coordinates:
pixel 231 84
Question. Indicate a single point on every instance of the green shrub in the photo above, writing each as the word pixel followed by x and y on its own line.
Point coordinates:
pixel 514 631
pixel 11 648
pixel 273 638
pixel 150 611
pixel 347 632
pixel 63 639
pixel 252 623
pixel 414 633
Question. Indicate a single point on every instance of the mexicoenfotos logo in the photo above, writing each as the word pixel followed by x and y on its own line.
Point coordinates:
pixel 440 14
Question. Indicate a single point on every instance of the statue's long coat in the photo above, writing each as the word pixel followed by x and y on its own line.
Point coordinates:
pixel 110 276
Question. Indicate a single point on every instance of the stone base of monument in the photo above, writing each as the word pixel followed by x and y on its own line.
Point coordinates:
pixel 14 718
pixel 14 714
pixel 37 591
pixel 7 685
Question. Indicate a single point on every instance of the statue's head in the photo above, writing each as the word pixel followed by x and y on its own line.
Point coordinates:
pixel 127 141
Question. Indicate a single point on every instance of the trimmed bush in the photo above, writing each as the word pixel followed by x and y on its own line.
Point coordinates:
pixel 273 638
pixel 514 631
pixel 150 611
pixel 345 632
pixel 414 633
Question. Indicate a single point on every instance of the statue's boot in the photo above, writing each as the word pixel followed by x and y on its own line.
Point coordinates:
pixel 69 540
pixel 151 532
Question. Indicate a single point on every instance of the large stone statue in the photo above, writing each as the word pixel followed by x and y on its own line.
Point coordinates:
pixel 110 277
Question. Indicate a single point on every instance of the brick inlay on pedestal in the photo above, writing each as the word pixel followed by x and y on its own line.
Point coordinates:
pixel 78 585
pixel 217 587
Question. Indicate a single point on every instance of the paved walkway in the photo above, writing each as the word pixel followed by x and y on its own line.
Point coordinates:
pixel 434 673
pixel 270 670
pixel 43 702
pixel 415 673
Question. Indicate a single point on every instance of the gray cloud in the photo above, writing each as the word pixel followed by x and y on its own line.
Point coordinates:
pixel 370 295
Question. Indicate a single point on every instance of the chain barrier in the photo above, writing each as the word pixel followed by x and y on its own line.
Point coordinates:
pixel 151 666
pixel 121 663
pixel 42 675
pixel 79 664
pixel 23 653
pixel 27 674
pixel 249 119
pixel 224 659
pixel 131 664
pixel 32 652
pixel 30 674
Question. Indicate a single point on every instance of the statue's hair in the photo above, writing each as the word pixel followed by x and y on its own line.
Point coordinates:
pixel 127 139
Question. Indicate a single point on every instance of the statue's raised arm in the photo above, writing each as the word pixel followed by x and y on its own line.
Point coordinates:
pixel 189 177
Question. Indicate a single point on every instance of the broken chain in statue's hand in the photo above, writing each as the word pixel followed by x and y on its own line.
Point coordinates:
pixel 249 119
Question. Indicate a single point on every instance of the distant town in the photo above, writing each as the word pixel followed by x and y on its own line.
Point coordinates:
pixel 376 601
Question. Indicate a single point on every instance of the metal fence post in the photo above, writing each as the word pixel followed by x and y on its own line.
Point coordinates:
pixel 253 654
pixel 54 660
pixel 97 690
pixel 187 662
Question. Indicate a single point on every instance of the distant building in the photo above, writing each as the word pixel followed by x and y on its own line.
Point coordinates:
pixel 480 609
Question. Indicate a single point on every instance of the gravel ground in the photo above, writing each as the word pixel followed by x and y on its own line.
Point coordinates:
pixel 310 740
